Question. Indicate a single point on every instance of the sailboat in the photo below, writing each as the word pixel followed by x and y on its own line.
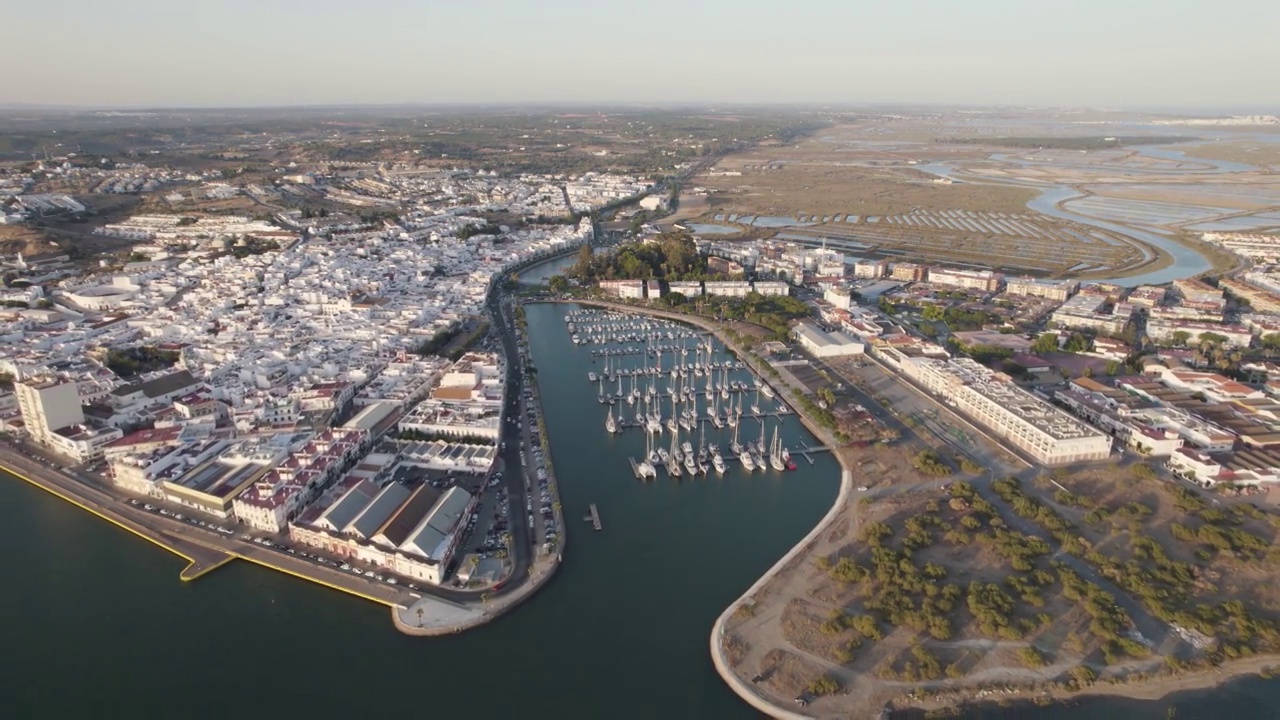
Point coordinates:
pixel 702 443
pixel 600 391
pixel 610 424
pixel 755 406
pixel 734 445
pixel 775 453
pixel 673 422
pixel 653 423
pixel 645 467
pixel 672 460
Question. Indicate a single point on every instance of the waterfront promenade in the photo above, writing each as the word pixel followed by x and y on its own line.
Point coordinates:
pixel 718 657
pixel 205 551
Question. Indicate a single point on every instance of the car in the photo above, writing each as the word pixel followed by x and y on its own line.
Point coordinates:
pixel 346 566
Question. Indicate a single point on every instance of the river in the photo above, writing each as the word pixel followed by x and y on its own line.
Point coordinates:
pixel 99 622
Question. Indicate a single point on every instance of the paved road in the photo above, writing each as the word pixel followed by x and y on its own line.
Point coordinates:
pixel 513 468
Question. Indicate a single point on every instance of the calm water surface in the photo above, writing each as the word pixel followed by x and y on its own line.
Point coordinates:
pixel 99 623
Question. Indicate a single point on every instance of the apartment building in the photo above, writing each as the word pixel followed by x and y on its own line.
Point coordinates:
pixel 984 280
pixel 625 289
pixel 908 272
pixel 1059 290
pixel 1040 430
pixel 870 269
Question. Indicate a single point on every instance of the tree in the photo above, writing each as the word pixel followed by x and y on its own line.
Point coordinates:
pixel 1180 338
pixel 1271 341
pixel 1213 338
pixel 558 283
pixel 1046 342
pixel 1113 368
pixel 1078 343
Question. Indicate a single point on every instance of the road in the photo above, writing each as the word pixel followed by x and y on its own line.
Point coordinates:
pixel 513 468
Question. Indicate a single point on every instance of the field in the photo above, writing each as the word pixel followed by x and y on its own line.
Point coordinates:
pixel 949 189
pixel 1049 586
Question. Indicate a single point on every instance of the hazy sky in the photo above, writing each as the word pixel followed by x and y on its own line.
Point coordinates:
pixel 1110 53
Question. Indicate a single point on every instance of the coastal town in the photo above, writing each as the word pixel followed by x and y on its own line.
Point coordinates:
pixel 1055 472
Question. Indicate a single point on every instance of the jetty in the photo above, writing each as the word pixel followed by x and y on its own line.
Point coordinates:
pixel 594 518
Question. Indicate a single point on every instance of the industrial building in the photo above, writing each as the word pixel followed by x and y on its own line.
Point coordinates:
pixel 412 533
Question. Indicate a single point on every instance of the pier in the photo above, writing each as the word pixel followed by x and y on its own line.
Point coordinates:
pixel 594 518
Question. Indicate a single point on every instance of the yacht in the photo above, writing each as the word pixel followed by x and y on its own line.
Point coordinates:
pixel 718 462
pixel 767 389
pixel 748 463
pixel 690 463
pixel 591 376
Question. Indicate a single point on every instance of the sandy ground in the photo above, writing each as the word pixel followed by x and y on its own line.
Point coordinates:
pixel 777 636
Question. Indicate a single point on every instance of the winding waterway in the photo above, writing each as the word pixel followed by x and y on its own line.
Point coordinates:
pixel 99 622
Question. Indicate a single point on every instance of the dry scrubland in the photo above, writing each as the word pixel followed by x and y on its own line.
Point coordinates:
pixel 930 598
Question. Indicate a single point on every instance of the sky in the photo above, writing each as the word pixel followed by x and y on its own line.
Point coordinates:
pixel 210 53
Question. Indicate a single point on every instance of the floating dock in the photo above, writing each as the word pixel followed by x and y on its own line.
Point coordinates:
pixel 594 518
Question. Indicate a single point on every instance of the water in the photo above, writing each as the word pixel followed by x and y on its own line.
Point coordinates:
pixel 542 273
pixel 98 620
pixel 777 221
pixel 1186 261
pixel 711 229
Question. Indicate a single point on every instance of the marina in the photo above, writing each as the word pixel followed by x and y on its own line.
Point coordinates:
pixel 674 385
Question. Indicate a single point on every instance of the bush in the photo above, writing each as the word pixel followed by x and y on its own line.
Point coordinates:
pixel 1083 675
pixel 929 463
pixel 825 685
pixel 1031 657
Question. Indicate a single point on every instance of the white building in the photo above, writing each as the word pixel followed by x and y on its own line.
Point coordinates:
pixel 984 280
pixel 728 288
pixel 626 289
pixel 1058 290
pixel 48 405
pixel 765 288
pixel 822 344
pixel 1038 429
